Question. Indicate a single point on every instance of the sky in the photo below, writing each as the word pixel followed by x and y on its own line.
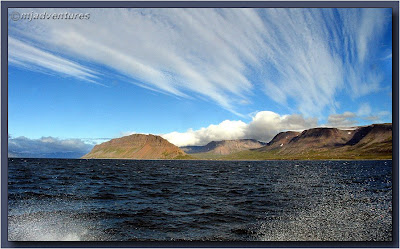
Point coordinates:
pixel 192 75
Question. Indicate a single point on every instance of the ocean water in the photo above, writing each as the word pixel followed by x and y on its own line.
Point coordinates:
pixel 141 200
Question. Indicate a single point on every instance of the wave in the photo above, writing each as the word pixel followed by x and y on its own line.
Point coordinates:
pixel 32 220
pixel 337 220
pixel 49 226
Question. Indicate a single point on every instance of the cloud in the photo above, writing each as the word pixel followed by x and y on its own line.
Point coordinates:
pixel 263 127
pixel 342 120
pixel 30 57
pixel 266 124
pixel 94 141
pixel 377 117
pixel 364 109
pixel 226 130
pixel 127 133
pixel 47 147
pixel 301 57
pixel 389 56
pixel 365 112
pixel 348 119
pixel 313 57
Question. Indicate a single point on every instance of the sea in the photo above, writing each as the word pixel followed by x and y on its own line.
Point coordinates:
pixel 190 200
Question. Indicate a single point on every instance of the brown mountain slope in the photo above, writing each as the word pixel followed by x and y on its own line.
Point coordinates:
pixel 373 139
pixel 280 140
pixel 375 133
pixel 316 138
pixel 365 142
pixel 137 146
pixel 224 147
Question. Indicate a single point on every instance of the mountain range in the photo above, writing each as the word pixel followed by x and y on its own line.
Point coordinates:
pixel 363 142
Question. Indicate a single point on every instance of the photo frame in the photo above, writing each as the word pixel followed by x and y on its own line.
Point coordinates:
pixel 89 67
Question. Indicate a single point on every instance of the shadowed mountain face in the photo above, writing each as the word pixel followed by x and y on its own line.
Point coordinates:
pixel 137 146
pixel 371 134
pixel 281 139
pixel 224 147
pixel 312 138
pixel 331 138
pixel 365 142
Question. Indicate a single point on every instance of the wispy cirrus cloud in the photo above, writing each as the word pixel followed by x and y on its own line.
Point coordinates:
pixel 301 58
pixel 316 54
pixel 27 56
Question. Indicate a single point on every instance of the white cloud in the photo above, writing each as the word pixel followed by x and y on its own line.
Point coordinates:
pixel 312 57
pixel 266 124
pixel 301 55
pixel 223 131
pixel 263 127
pixel 28 56
pixel 47 147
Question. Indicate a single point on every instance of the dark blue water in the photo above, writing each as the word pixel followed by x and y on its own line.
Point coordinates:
pixel 124 200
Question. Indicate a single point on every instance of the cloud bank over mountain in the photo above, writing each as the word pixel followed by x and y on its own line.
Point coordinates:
pixel 266 124
pixel 263 127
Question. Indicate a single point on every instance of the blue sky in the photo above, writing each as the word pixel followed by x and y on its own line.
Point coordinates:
pixel 196 75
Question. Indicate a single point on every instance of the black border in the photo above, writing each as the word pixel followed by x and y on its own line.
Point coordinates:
pixel 200 4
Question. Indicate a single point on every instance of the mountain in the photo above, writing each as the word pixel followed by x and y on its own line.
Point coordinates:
pixel 364 142
pixel 224 147
pixel 315 138
pixel 281 139
pixel 137 146
pixel 377 133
